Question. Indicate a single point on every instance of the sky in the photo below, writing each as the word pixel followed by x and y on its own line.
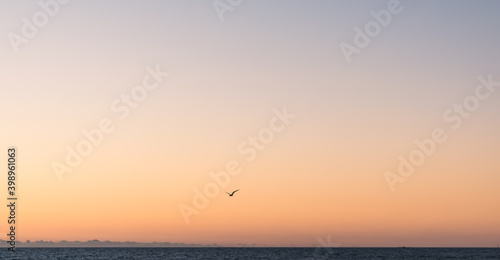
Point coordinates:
pixel 312 131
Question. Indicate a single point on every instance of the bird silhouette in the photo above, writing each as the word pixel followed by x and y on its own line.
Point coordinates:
pixel 231 194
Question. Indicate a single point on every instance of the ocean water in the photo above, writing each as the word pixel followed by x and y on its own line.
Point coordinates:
pixel 252 253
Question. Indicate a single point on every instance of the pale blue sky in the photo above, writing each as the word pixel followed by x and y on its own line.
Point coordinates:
pixel 227 76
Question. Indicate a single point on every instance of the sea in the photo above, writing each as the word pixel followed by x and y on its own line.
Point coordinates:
pixel 251 253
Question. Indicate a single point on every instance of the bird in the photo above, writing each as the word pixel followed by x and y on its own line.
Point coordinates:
pixel 231 194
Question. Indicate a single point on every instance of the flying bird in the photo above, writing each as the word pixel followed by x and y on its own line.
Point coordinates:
pixel 231 194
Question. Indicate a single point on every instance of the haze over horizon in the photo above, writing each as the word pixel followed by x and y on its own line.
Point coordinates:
pixel 267 96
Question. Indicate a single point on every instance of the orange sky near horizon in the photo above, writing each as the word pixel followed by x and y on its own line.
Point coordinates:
pixel 320 174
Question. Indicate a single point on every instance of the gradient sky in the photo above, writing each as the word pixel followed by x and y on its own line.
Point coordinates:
pixel 322 176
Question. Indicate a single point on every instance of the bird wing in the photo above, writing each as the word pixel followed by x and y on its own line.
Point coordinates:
pixel 235 191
